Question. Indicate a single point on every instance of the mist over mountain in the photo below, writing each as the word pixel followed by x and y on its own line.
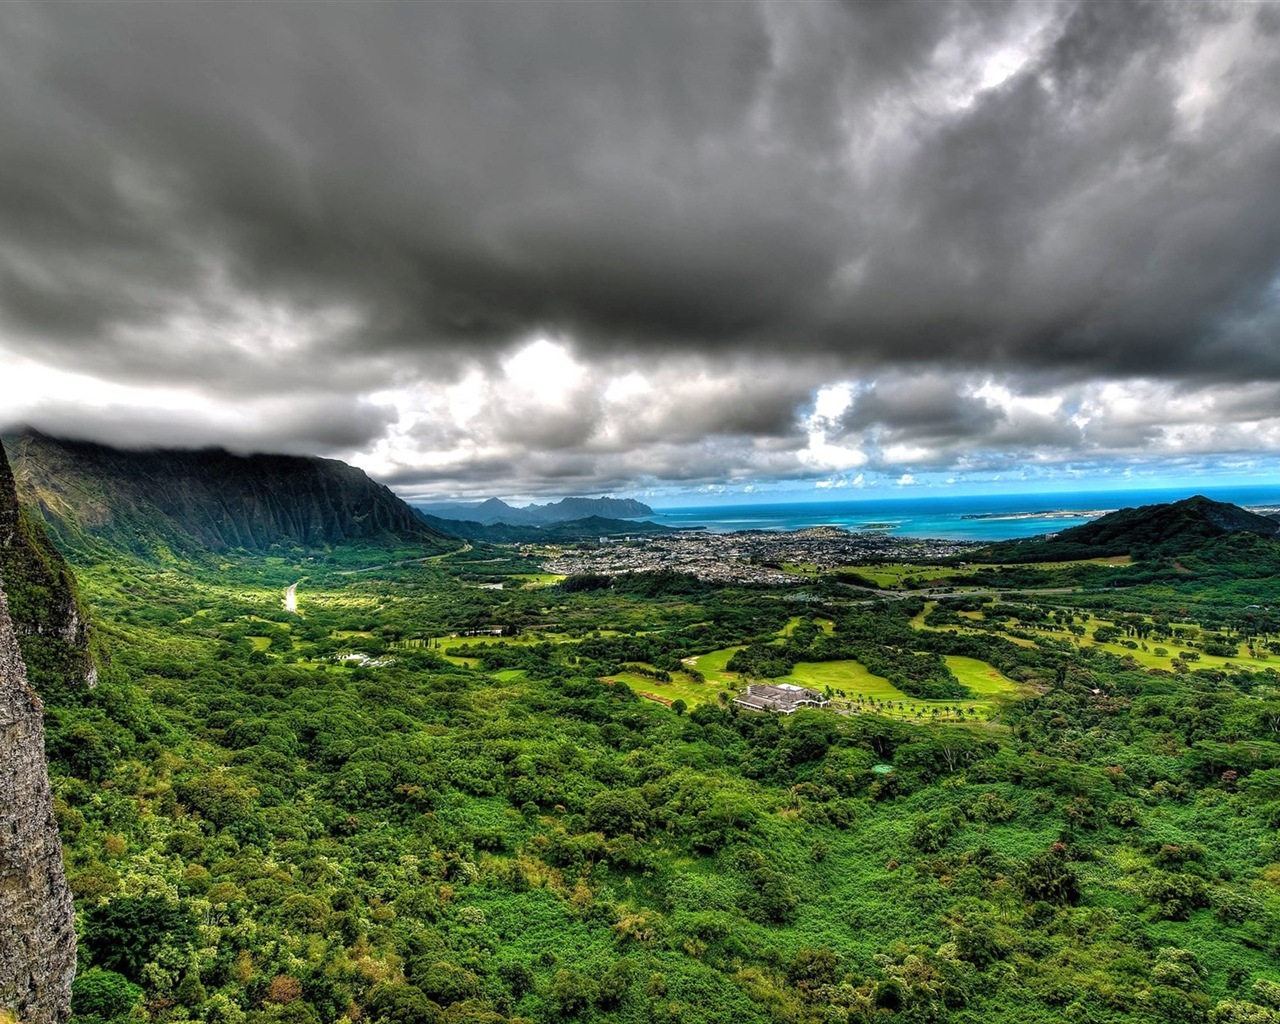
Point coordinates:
pixel 495 510
pixel 202 500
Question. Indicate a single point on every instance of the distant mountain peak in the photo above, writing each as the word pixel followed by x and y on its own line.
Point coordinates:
pixel 495 510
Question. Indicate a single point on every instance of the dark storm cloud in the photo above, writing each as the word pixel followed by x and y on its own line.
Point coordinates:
pixel 1078 218
pixel 423 481
pixel 739 202
pixel 704 176
pixel 917 408
pixel 739 397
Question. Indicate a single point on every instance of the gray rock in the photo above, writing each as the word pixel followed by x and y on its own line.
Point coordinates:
pixel 37 932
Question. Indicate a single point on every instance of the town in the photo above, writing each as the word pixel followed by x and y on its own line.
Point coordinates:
pixel 756 556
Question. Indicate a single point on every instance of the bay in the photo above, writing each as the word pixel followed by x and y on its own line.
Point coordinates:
pixel 988 517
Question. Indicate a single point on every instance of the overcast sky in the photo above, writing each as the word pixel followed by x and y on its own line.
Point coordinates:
pixel 651 248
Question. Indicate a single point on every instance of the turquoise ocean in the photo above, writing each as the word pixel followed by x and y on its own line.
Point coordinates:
pixel 978 518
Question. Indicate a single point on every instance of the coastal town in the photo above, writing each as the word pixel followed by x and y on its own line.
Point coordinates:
pixel 755 556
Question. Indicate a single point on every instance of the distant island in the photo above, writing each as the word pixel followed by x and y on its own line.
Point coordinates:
pixel 1051 513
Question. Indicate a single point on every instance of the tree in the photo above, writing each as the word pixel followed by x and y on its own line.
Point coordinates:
pixel 1049 877
pixel 122 935
pixel 619 812
pixel 105 994
pixel 1174 895
pixel 679 706
pixel 190 992
pixel 613 985
pixel 391 1003
pixel 573 992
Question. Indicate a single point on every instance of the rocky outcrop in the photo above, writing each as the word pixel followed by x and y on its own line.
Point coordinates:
pixel 169 500
pixel 37 934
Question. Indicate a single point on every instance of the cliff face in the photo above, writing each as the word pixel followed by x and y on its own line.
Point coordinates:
pixel 37 934
pixel 38 609
pixel 208 500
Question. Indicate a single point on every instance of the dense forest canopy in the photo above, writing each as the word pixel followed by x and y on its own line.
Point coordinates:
pixel 1040 793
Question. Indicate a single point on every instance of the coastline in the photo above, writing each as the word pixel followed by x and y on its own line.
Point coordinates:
pixel 978 519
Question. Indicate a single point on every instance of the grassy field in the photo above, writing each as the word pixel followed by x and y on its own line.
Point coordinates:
pixel 530 580
pixel 917 621
pixel 449 644
pixel 826 625
pixel 714 666
pixel 681 687
pixel 1149 659
pixel 864 691
pixel 983 679
pixel 893 575
pixel 867 692
pixel 508 675
pixel 800 568
pixel 850 676
pixel 1108 560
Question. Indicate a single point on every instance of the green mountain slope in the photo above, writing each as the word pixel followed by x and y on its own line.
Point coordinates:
pixel 43 603
pixel 147 502
pixel 1165 530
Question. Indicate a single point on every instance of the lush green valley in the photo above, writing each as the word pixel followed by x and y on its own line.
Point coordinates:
pixel 376 810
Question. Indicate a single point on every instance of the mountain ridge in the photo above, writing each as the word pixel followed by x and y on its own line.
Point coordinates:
pixel 493 511
pixel 193 500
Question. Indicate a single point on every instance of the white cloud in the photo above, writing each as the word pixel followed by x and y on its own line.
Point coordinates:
pixel 541 418
pixel 831 401
pixel 822 455
pixel 544 372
